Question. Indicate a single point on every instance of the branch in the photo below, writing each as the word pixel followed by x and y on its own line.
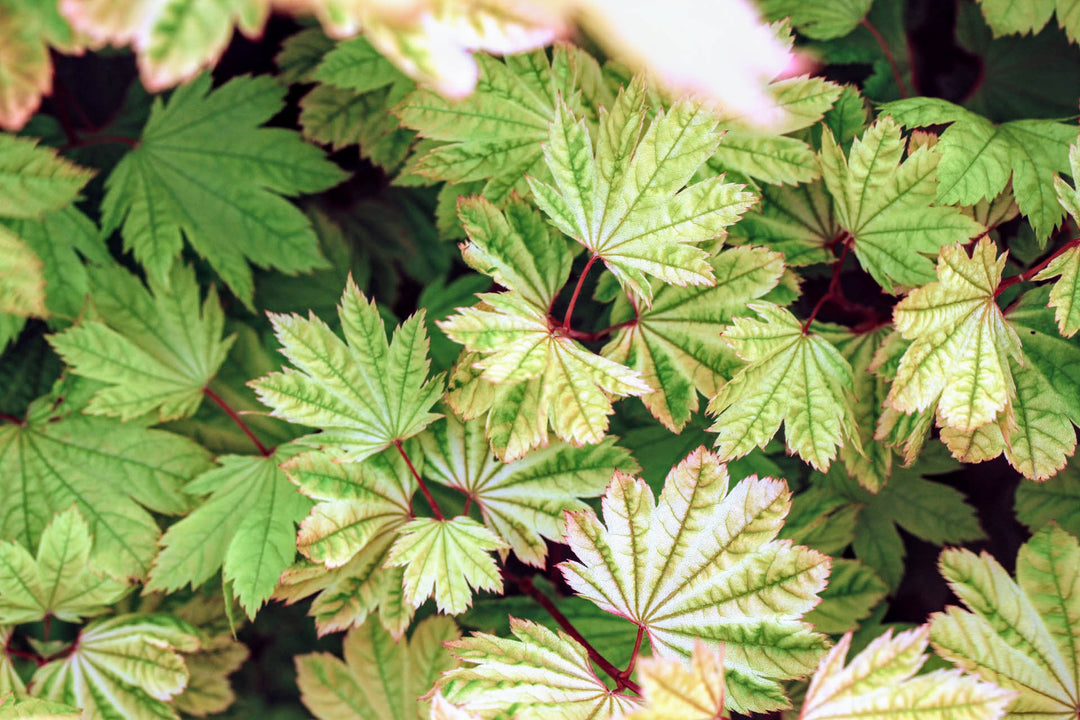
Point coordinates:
pixel 420 481
pixel 263 450
pixel 599 334
pixel 834 292
pixel 11 419
pixel 888 56
pixel 1032 272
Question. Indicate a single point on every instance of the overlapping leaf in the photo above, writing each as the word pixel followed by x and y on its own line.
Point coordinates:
pixel 1021 635
pixel 1065 296
pixel 381 677
pixel 674 692
pixel 1056 499
pixel 27 30
pixel 796 221
pixel 625 200
pixel 15 707
pixel 35 180
pixel 791 377
pixel 60 581
pixel 1006 18
pixel 364 393
pixel 887 206
pixel 204 170
pixel 704 564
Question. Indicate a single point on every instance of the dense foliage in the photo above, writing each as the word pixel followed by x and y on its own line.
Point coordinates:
pixel 451 360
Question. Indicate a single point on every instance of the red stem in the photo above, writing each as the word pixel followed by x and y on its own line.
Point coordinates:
pixel 11 419
pixel 577 291
pixel 888 56
pixel 834 292
pixel 420 482
pixel 599 334
pixel 468 504
pixel 1032 272
pixel 33 657
pixel 263 450
pixel 623 683
pixel 625 674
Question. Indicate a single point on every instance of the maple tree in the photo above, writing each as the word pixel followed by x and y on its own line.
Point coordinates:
pixel 508 359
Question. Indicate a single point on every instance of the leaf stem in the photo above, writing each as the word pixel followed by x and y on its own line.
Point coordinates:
pixel 599 334
pixel 11 419
pixel 420 482
pixel 263 450
pixel 623 682
pixel 888 56
pixel 577 291
pixel 625 674
pixel 834 292
pixel 1033 271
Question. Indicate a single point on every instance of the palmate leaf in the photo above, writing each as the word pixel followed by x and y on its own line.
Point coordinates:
pixel 494 134
pixel 60 581
pixel 1056 499
pixel 887 205
pixel 126 666
pixel 364 393
pixel 219 655
pixel 113 473
pixel 14 707
pixel 978 157
pixel 22 280
pixel 959 360
pixel 704 564
pixel 674 692
pixel 11 683
pixel 35 180
pixel 155 351
pixel 204 170
pixel 1022 635
pixel 1006 18
pixel 675 343
pixel 537 675
pixel 246 528
pixel 881 682
pixel 792 377
pixel 1065 296
pixel 381 677
pixel 522 502
pixel 796 221
pixel 27 30
pixel 626 202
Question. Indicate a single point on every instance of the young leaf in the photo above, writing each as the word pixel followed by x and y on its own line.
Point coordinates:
pixel 22 281
pixel 126 666
pixel 881 682
pixel 60 582
pixel 205 171
pixel 35 180
pixel 959 360
pixel 538 674
pixel 887 205
pixel 1065 295
pixel 25 65
pixel 155 350
pixel 447 560
pixel 381 677
pixel 1022 635
pixel 790 377
pixel 245 528
pixel 675 343
pixel 674 692
pixel 703 563
pixel 1006 18
pixel 18 707
pixel 365 393
pixel 523 502
pixel 626 201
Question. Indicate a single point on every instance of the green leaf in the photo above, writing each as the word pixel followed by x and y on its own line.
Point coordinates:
pixel 703 565
pixel 22 280
pixel 522 502
pixel 127 666
pixel 381 677
pixel 1019 635
pixel 10 682
pixel 447 560
pixel 1065 295
pixel 674 692
pixel 364 393
pixel 882 681
pixel 796 221
pixel 246 528
pixel 540 673
pixel 1054 500
pixel 675 343
pixel 60 581
pixel 791 377
pixel 852 593
pixel 14 707
pixel 205 171
pixel 35 180
pixel 626 201
pixel 887 205
pixel 1007 18
pixel 819 21
pixel 155 350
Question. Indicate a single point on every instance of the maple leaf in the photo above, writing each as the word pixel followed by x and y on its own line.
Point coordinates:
pixel 1007 18
pixel 528 369
pixel 123 666
pixel 1056 499
pixel 674 692
pixel 155 350
pixel 60 581
pixel 959 360
pixel 978 157
pixel 365 393
pixel 16 707
pixel 246 528
pixel 446 559
pixel 626 201
pixel 887 207
pixel 112 472
pixel 35 180
pixel 204 170
pixel 522 502
pixel 1065 295
pixel 219 655
pixel 796 221
pixel 881 681
pixel 791 377
pixel 704 564
pixel 22 281
pixel 540 673
pixel 819 21
pixel 675 343
pixel 27 30
pixel 1020 635
pixel 493 136
pixel 854 590
pixel 11 684
pixel 381 677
